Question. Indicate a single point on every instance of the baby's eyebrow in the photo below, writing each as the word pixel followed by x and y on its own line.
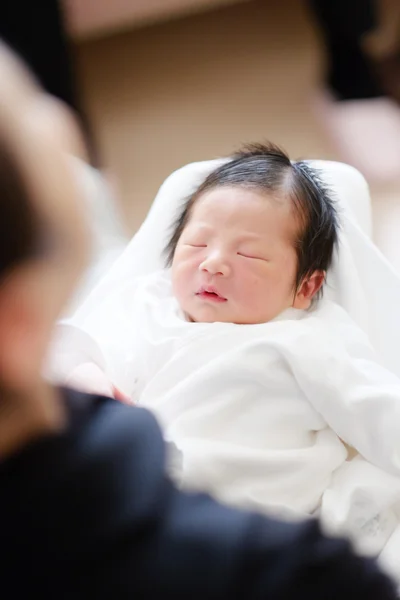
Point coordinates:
pixel 196 226
pixel 243 236
pixel 200 225
pixel 250 235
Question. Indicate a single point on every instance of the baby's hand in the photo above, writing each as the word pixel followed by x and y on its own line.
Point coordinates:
pixel 118 395
pixel 91 379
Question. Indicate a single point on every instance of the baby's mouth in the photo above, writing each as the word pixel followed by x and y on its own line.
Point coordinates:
pixel 211 294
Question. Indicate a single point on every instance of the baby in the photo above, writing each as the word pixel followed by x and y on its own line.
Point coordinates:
pixel 256 238
pixel 254 377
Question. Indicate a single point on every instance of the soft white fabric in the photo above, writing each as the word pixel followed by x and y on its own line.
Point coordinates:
pixel 342 384
pixel 256 412
pixel 362 280
pixel 108 240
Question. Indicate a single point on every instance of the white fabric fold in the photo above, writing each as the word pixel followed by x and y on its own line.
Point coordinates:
pixel 260 415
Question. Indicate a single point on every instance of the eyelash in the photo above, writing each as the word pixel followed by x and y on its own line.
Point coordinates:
pixel 238 253
pixel 247 256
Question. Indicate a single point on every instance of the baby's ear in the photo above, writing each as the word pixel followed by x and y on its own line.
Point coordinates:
pixel 309 287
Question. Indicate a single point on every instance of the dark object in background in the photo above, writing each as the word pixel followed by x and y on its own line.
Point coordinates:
pixel 35 30
pixel 343 23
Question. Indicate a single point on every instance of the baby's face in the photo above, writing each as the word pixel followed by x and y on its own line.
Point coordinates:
pixel 236 261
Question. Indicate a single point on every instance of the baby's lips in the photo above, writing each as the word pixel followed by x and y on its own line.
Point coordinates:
pixel 210 290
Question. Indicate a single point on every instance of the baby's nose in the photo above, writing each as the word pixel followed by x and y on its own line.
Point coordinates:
pixel 215 264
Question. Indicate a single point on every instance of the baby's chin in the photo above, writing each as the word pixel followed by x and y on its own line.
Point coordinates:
pixel 209 314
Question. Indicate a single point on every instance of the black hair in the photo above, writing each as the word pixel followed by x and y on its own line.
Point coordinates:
pixel 18 219
pixel 267 168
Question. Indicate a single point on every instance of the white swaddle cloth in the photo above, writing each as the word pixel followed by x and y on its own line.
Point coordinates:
pixel 250 412
pixel 361 280
pixel 259 413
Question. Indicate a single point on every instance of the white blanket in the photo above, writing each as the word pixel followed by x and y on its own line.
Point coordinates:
pixel 259 413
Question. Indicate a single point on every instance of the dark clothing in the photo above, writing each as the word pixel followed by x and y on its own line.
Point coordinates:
pixel 89 514
pixel 343 23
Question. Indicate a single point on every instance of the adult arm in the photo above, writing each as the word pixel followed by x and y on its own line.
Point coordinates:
pixel 107 523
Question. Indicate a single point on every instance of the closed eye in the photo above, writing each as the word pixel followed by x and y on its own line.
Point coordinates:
pixel 196 245
pixel 253 257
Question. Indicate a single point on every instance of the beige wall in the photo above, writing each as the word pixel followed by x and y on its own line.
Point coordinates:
pixel 90 18
pixel 197 87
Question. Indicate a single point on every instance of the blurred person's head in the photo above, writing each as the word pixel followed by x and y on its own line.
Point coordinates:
pixel 42 233
pixel 254 239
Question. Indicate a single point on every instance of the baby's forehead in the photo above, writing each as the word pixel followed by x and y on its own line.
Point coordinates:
pixel 239 208
pixel 242 202
pixel 244 195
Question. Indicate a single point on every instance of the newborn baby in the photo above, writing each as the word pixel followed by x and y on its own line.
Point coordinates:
pixel 255 239
pixel 254 377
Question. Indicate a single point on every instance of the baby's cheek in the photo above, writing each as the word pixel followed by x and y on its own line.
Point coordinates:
pixel 182 281
pixel 267 294
pixel 178 288
pixel 254 290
